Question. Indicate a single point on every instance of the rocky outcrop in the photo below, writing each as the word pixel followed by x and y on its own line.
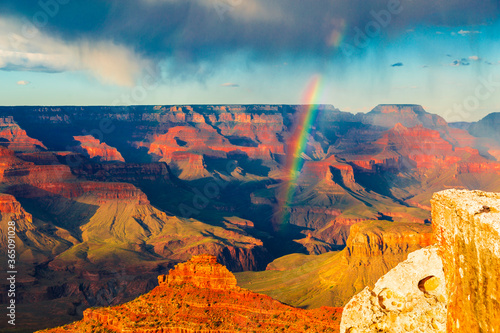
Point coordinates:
pixel 421 148
pixel 378 239
pixel 95 149
pixel 313 245
pixel 467 228
pixel 452 286
pixel 201 296
pixel 409 115
pixel 16 138
pixel 201 271
pixel 487 127
pixel 103 192
pixel 409 298
pixel 35 242
pixel 424 148
pixel 123 172
pixel 40 157
pixel 16 171
pixel 188 166
pixel 329 169
pixel 256 141
pixel 478 167
pixel 9 205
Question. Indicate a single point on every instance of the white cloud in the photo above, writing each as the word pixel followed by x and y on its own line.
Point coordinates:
pixel 24 50
pixel 468 32
pixel 474 57
pixel 23 83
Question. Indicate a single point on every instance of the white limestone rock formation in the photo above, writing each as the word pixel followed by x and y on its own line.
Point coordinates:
pixel 409 298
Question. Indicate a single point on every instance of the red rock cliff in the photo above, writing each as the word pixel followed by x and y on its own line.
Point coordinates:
pixel 95 149
pixel 390 238
pixel 103 191
pixel 201 271
pixel 17 138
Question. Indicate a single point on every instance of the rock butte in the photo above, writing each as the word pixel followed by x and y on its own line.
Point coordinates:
pixel 201 296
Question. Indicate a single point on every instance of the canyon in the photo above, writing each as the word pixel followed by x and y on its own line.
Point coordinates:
pixel 449 284
pixel 108 198
pixel 332 278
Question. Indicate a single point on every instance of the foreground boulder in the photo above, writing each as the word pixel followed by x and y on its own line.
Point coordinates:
pixel 409 298
pixel 458 278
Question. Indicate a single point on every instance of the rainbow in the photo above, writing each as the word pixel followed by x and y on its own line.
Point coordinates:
pixel 337 35
pixel 297 144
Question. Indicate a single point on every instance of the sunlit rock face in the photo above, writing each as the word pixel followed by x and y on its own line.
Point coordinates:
pixel 458 277
pixel 409 298
pixel 202 271
pixel 16 138
pixel 97 150
pixel 467 228
pixel 202 296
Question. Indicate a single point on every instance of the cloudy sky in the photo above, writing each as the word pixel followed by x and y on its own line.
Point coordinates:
pixel 443 54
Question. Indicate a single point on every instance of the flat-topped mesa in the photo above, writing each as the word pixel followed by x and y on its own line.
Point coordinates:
pixel 409 115
pixel 399 108
pixel 382 238
pixel 467 228
pixel 202 271
pixel 103 192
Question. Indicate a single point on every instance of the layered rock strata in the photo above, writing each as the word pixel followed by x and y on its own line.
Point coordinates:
pixel 457 277
pixel 97 150
pixel 16 138
pixel 467 228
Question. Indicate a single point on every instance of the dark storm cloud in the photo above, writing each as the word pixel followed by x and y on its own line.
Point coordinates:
pixel 191 30
pixel 398 64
